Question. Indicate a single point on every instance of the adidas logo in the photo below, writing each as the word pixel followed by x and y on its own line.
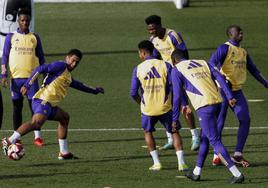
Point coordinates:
pixel 193 64
pixel 152 74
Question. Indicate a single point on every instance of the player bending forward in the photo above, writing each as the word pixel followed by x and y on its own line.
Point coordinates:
pixel 46 99
pixel 196 77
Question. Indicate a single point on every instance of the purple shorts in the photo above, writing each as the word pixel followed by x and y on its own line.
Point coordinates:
pixel 148 122
pixel 16 85
pixel 45 108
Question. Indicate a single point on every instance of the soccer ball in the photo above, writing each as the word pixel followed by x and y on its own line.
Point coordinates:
pixel 15 151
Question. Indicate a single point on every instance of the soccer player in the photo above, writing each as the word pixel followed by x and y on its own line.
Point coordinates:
pixel 22 53
pixel 233 61
pixel 46 99
pixel 165 42
pixel 152 78
pixel 196 77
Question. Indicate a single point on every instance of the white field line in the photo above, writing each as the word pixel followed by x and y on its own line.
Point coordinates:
pixel 129 129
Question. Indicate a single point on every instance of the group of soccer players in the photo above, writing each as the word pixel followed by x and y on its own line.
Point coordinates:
pixel 167 80
pixel 23 57
pixel 164 85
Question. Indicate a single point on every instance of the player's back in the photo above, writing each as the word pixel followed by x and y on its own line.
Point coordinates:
pixel 153 75
pixel 198 83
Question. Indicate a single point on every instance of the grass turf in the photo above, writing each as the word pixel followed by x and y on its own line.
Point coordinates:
pixel 108 34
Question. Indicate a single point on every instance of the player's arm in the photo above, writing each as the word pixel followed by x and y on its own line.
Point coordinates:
pixel 39 50
pixel 53 68
pixel 178 94
pixel 255 72
pixel 5 58
pixel 156 54
pixel 218 57
pixel 178 43
pixel 88 89
pixel 134 87
pixel 216 75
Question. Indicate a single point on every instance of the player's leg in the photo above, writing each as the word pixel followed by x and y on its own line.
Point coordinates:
pixel 17 112
pixel 148 123
pixel 208 124
pixel 202 154
pixel 166 121
pixel 41 111
pixel 190 121
pixel 169 144
pixel 17 101
pixel 220 125
pixel 36 123
pixel 63 118
pixel 242 112
pixel 38 139
pixel 37 133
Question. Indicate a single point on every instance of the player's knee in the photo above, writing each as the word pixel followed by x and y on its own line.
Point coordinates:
pixel 244 120
pixel 37 123
pixel 65 119
pixel 215 142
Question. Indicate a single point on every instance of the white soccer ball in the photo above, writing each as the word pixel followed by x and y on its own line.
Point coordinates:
pixel 15 151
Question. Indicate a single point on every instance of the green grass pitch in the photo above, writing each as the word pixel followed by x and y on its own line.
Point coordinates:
pixel 108 34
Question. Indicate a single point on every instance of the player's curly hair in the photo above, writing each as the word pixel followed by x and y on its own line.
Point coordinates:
pixel 153 19
pixel 177 55
pixel 146 45
pixel 76 52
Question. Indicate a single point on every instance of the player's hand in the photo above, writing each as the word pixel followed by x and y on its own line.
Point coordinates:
pixel 100 90
pixel 4 82
pixel 174 127
pixel 186 110
pixel 232 102
pixel 23 90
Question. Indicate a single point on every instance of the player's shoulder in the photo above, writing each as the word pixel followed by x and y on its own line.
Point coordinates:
pixel 152 38
pixel 58 64
pixel 223 47
pixel 171 32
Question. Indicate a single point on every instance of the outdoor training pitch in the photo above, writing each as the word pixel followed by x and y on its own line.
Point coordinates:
pixel 106 132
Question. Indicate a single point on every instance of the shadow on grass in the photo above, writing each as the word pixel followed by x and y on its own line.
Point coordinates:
pixel 21 176
pixel 115 140
pixel 125 52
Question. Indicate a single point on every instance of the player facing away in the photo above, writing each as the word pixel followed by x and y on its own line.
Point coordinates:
pixel 152 78
pixel 196 77
pixel 45 101
pixel 233 61
pixel 165 42
pixel 22 53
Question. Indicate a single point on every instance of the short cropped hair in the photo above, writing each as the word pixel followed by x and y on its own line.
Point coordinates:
pixel 146 45
pixel 154 19
pixel 24 11
pixel 177 55
pixel 76 52
pixel 232 26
